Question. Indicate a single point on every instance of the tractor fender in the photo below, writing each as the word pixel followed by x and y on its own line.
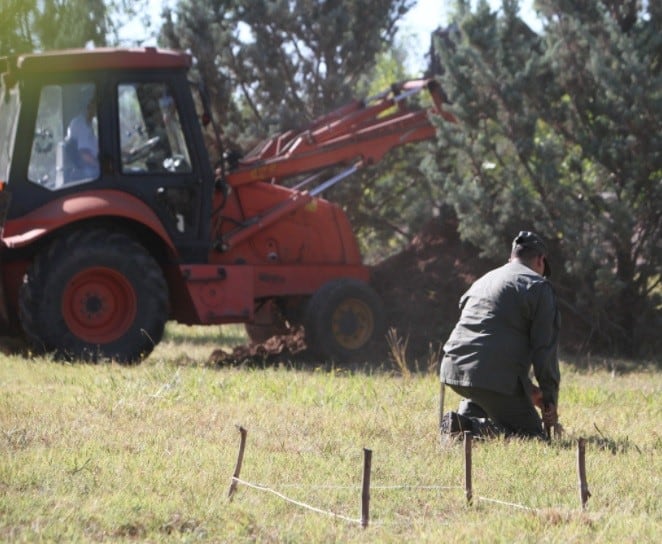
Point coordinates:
pixel 58 213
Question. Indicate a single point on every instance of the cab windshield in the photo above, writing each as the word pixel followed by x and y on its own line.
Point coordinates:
pixel 8 119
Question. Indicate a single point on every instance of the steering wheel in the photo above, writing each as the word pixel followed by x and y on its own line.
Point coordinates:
pixel 141 151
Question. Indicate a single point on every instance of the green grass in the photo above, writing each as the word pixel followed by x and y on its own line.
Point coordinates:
pixel 108 453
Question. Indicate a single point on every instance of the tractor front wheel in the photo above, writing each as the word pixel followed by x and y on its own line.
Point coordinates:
pixel 343 320
pixel 93 295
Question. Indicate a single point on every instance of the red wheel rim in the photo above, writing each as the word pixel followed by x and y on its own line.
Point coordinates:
pixel 99 305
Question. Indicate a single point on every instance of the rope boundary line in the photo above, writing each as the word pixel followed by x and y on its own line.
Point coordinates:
pixel 298 503
pixel 263 487
pixel 366 489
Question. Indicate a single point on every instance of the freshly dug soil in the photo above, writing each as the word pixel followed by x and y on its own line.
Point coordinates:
pixel 422 285
pixel 420 288
pixel 282 347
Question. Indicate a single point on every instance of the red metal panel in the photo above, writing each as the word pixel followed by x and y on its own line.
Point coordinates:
pixel 220 294
pixel 279 211
pixel 90 204
pixel 283 280
pixel 226 294
pixel 317 232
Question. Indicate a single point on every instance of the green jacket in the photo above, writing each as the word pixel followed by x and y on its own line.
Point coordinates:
pixel 509 322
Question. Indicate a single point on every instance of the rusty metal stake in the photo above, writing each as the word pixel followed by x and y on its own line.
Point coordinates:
pixel 584 493
pixel 467 467
pixel 240 459
pixel 365 495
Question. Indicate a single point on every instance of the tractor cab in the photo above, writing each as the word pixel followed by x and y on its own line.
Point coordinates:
pixel 81 122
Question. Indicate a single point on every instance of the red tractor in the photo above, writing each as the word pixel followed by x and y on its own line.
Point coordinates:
pixel 115 221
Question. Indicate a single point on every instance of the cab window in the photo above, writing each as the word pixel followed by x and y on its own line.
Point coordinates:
pixel 8 118
pixel 65 146
pixel 151 135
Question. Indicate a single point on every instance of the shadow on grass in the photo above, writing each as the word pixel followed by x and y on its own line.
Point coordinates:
pixel 615 365
pixel 212 335
pixel 304 361
pixel 600 442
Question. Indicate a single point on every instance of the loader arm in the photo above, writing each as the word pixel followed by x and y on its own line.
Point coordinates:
pixel 360 132
pixel 356 135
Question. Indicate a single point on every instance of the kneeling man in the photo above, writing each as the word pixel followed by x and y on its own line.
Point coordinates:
pixel 509 323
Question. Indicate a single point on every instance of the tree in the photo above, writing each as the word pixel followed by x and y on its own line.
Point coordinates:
pixel 270 64
pixel 61 24
pixel 560 133
pixel 295 59
pixel 388 203
pixel 16 18
pixel 31 25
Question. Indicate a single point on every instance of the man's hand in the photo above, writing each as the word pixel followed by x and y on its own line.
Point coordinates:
pixel 550 416
pixel 536 396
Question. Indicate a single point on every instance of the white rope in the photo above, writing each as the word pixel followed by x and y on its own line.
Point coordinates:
pixel 372 487
pixel 354 520
pixel 509 504
pixel 303 505
pixel 416 487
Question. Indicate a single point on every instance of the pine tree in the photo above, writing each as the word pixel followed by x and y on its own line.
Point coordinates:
pixel 63 24
pixel 31 25
pixel 282 63
pixel 560 134
pixel 16 33
pixel 27 26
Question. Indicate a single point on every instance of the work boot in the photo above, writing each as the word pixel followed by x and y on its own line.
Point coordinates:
pixel 486 428
pixel 454 424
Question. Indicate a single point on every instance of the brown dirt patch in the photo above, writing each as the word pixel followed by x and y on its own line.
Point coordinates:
pixel 421 286
pixel 283 347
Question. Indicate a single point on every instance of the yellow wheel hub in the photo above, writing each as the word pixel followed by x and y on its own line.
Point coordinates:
pixel 352 323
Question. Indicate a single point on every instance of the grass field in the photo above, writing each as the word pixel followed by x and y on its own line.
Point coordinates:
pixel 108 453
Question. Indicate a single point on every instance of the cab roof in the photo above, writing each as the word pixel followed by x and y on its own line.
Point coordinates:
pixel 110 58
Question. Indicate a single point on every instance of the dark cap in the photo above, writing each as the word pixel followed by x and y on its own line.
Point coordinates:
pixel 530 240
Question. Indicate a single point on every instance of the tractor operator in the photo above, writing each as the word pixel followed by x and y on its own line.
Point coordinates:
pixel 509 322
pixel 81 133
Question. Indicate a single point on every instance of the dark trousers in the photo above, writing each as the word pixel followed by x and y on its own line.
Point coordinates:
pixel 515 413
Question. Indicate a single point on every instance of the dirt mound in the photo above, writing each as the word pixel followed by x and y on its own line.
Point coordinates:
pixel 420 287
pixel 285 347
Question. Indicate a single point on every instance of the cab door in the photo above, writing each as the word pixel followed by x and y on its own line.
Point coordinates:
pixel 160 157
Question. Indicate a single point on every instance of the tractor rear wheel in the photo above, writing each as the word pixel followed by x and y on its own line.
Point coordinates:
pixel 94 295
pixel 343 320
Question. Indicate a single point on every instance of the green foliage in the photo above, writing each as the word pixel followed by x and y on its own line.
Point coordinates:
pixel 16 26
pixel 390 203
pixel 61 25
pixel 29 25
pixel 272 65
pixel 145 453
pixel 560 134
